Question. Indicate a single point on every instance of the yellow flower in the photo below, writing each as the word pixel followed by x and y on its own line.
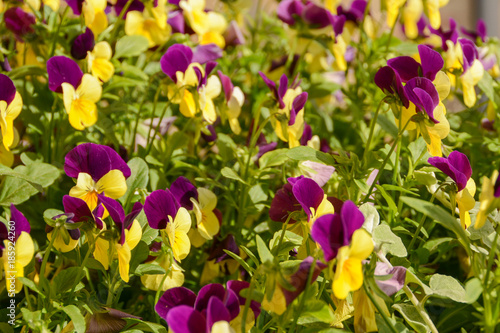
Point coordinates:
pixel 294 132
pixel 59 243
pixel 80 104
pixel 206 220
pixel 469 79
pixel 24 250
pixel 175 277
pixel 487 200
pixel 95 17
pixel 177 231
pixel 99 63
pixel 234 109
pixel 7 115
pixel 151 24
pixel 209 26
pixel 437 132
pixel 349 272
pixel 465 201
pixel 112 184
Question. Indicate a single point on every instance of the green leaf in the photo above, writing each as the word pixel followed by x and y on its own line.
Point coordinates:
pixel 440 216
pixel 412 317
pixel 388 241
pixel 448 287
pixel 412 278
pixel 145 326
pixel 6 328
pixel 231 174
pixel 5 171
pixel 76 317
pixel 487 85
pixel 152 269
pixel 316 311
pixel 92 263
pixel 138 179
pixel 388 198
pixel 372 217
pixel 304 153
pixel 67 278
pixel 273 158
pixel 264 253
pixel 242 262
pixel 473 289
pixel 30 284
pixel 130 46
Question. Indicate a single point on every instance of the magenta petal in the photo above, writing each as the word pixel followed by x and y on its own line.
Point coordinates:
pixel 390 83
pixel 8 90
pixel 21 222
pixel 205 53
pixel 19 22
pixel 496 188
pixel 271 85
pixel 177 59
pixel 432 62
pixel 227 85
pixel 288 10
pixel 469 51
pixel 352 219
pixel 299 279
pixel 481 30
pixel 395 283
pixel 136 5
pixel 338 23
pixel 306 134
pixel 174 297
pixel 82 44
pixel 406 67
pixel 328 232
pixel 96 160
pixel 206 292
pixel 282 88
pixel 63 69
pixel 77 207
pixel 183 190
pixel 237 286
pixel 116 212
pixel 316 16
pixel 216 311
pixel 177 22
pixel 283 203
pixel 297 105
pixel 4 234
pixel 232 303
pixel 456 166
pixel 308 194
pixel 184 319
pixel 76 6
pixel 130 217
pixel 158 207
pixel 422 92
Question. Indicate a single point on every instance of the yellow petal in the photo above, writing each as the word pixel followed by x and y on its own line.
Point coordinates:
pixel 348 277
pixel 209 226
pixel 101 252
pixel 182 221
pixel 277 304
pixel 133 235
pixel 411 15
pixel 361 245
pixel 124 256
pixel 83 114
pixel 134 23
pixel 113 184
pixel 68 95
pixel 25 249
pixel 221 327
pixel 89 89
pixel 209 111
pixel 188 105
pixel 443 85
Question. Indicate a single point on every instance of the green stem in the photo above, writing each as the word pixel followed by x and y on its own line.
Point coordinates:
pixel 47 252
pixel 150 144
pixel 420 225
pixel 372 129
pixel 248 300
pixel 54 41
pixel 138 118
pixel 111 293
pixel 420 309
pixel 392 32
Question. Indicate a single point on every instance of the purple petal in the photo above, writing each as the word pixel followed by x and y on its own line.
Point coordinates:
pixel 432 62
pixel 174 297
pixel 129 219
pixel 77 207
pixel 98 213
pixel 395 283
pixel 19 22
pixel 266 147
pixel 209 67
pixel 21 222
pixel 316 16
pixel 232 304
pixel 76 6
pixel 456 166
pixel 308 194
pixel 297 106
pixel 136 5
pixel 283 203
pixel 237 286
pixel 184 319
pixel 4 234
pixel 158 207
pixel 8 90
pixel 422 92
pixel 227 85
pixel 116 212
pixel 205 53
pixel 338 23
pixel 177 59
pixel 469 51
pixel 207 292
pixel 390 83
pixel 306 134
pixel 177 22
pixel 183 190
pixel 496 188
pixel 82 44
pixel 217 253
pixel 328 232
pixel 96 160
pixel 216 311
pixel 62 69
pixel 213 134
pixel 233 35
pixel 352 220
pixel 299 279
pixel 282 88
pixel 288 10
pixel 270 84
pixel 481 30
pixel 406 67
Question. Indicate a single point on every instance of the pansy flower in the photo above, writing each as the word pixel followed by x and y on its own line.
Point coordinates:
pixel 234 101
pixel 93 13
pixel 489 198
pixel 149 22
pixel 473 70
pixel 19 22
pixel 457 167
pixel 11 104
pixel 16 240
pixel 340 236
pixel 165 214
pixel 193 89
pixel 129 235
pixel 281 297
pixel 288 121
pixel 208 25
pixel 98 170
pixel 175 276
pixel 80 91
pixel 214 310
pixel 309 13
pixel 480 31
pixel 425 86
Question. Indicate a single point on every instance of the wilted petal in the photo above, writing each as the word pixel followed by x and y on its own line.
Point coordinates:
pixel 63 69
pixel 299 279
pixel 395 283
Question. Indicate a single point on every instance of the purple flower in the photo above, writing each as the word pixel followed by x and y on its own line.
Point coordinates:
pixel 136 5
pixel 470 52
pixel 73 233
pixel 20 223
pixel 19 22
pixel 117 214
pixel 95 160
pixel 8 90
pixel 82 44
pixel 177 22
pixel 456 166
pixel 177 58
pixel 316 17
pixel 480 32
pixel 355 13
pixel 451 34
pixel 185 312
pixel 183 190
pixel 217 253
pixel 81 211
pixel 206 53
pixel 159 206
pixel 395 283
pixel 334 231
pixel 63 69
